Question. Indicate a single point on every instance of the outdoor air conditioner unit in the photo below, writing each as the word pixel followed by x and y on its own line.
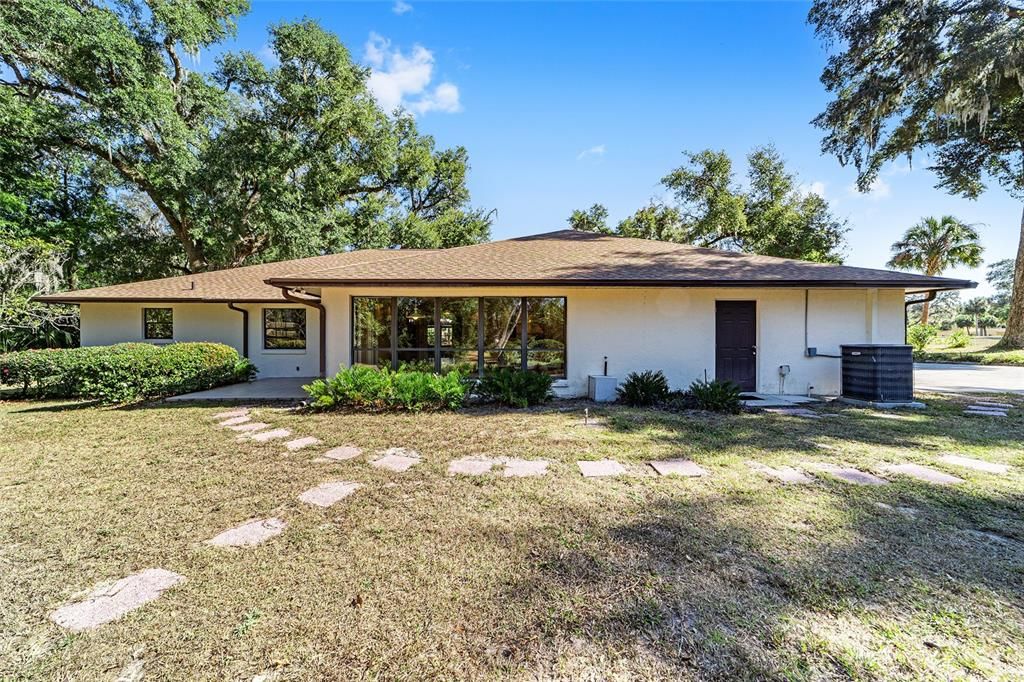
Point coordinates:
pixel 878 373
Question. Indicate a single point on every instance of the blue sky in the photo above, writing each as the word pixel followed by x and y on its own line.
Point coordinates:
pixel 562 105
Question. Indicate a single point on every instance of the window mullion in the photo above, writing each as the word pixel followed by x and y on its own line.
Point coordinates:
pixel 394 332
pixel 523 364
pixel 437 335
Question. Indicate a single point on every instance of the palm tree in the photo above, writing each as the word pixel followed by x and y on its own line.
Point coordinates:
pixel 935 244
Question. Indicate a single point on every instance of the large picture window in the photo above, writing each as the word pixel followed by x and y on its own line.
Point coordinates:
pixel 157 324
pixel 284 328
pixel 469 334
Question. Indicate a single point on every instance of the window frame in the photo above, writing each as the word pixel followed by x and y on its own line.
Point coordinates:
pixel 146 323
pixel 522 347
pixel 305 330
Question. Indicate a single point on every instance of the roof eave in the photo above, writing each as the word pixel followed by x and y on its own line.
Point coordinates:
pixel 77 300
pixel 924 284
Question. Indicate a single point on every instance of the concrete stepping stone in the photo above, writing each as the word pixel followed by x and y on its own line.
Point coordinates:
pixel 794 412
pixel 470 466
pixel 524 468
pixel 1001 406
pixel 397 459
pixel 249 533
pixel 264 436
pixel 848 474
pixel 108 602
pixel 785 475
pixel 299 443
pixel 922 473
pixel 982 412
pixel 344 452
pixel 905 511
pixel 600 468
pixel 326 494
pixel 235 420
pixel 249 426
pixel 976 464
pixel 677 467
pixel 231 414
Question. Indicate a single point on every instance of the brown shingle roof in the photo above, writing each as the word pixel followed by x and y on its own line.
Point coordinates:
pixel 564 258
pixel 571 258
pixel 243 285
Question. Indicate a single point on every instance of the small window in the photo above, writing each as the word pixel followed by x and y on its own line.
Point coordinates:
pixel 284 328
pixel 157 323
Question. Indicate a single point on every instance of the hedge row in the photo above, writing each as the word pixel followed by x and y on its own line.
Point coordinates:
pixel 125 372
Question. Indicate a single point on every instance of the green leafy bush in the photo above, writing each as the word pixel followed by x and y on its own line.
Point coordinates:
pixel 920 335
pixel 372 388
pixel 717 396
pixel 124 372
pixel 958 339
pixel 640 389
pixel 513 387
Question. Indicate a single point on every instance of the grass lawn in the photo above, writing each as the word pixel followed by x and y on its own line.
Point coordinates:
pixel 419 575
pixel 979 350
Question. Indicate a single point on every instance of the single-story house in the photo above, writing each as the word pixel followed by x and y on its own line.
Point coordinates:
pixel 567 303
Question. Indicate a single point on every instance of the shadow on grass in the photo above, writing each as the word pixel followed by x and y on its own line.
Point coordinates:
pixel 722 596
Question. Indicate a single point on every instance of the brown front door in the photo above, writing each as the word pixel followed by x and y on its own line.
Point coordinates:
pixel 736 343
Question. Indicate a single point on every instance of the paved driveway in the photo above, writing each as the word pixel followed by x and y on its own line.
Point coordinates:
pixel 963 378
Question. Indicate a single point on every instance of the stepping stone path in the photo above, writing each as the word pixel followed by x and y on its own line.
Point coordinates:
pixel 976 464
pixel 344 452
pixel 397 459
pixel 326 494
pixel 600 468
pixel 785 475
pixel 922 473
pixel 249 533
pixel 794 412
pixel 848 474
pixel 524 468
pixel 248 426
pixel 300 443
pixel 677 467
pixel 470 466
pixel 906 511
pixel 264 436
pixel 988 408
pixel 108 602
pixel 231 414
pixel 235 420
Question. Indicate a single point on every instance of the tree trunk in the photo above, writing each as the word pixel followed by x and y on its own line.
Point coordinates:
pixel 924 313
pixel 1014 335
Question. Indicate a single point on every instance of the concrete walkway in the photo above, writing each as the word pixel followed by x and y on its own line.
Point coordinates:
pixel 964 378
pixel 282 388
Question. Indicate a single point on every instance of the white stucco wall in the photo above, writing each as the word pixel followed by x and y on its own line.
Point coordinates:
pixel 107 323
pixel 673 329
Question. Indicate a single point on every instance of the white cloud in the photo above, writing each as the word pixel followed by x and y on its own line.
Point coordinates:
pixel 816 187
pixel 401 7
pixel 596 150
pixel 400 79
pixel 879 189
pixel 266 53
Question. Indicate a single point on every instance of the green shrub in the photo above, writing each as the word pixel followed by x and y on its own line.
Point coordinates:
pixel 513 387
pixel 717 396
pixel 640 389
pixel 920 335
pixel 372 388
pixel 124 372
pixel 958 339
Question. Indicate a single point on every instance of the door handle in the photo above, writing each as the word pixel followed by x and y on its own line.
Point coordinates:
pixel 753 350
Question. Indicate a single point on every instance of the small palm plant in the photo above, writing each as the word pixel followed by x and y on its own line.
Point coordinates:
pixel 935 244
